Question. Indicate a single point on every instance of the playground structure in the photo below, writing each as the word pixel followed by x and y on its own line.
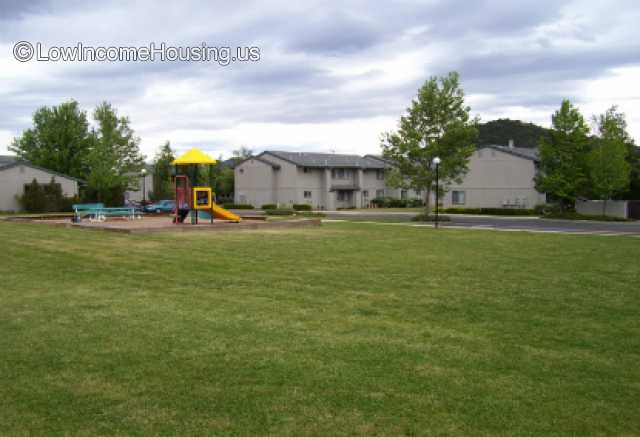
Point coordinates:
pixel 194 200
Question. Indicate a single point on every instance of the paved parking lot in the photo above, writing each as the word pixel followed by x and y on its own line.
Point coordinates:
pixel 506 223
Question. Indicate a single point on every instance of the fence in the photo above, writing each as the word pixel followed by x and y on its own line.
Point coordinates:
pixel 614 208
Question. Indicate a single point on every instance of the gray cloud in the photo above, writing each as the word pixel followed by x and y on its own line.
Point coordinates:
pixel 321 62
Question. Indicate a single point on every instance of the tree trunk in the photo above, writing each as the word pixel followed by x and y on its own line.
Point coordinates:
pixel 427 202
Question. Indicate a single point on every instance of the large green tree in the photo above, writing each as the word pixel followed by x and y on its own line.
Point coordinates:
pixel 162 187
pixel 59 139
pixel 437 124
pixel 563 157
pixel 608 166
pixel 114 158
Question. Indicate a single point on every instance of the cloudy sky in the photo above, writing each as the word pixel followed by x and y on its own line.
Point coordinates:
pixel 331 77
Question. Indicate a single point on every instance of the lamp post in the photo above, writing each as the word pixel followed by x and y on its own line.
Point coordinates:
pixel 436 161
pixel 143 173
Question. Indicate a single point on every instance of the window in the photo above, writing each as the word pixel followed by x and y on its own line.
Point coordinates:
pixel 307 194
pixel 380 175
pixel 342 173
pixel 403 194
pixel 306 169
pixel 379 194
pixel 365 194
pixel 457 197
pixel 242 170
pixel 342 196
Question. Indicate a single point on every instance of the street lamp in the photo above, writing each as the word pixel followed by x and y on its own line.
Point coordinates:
pixel 436 161
pixel 143 173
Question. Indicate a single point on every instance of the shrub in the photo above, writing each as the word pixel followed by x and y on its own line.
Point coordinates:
pixel 33 199
pixel 429 218
pixel 310 214
pixel 395 203
pixel 269 206
pixel 45 198
pixel 236 206
pixel 390 202
pixel 378 201
pixel 490 211
pixel 279 212
pixel 302 207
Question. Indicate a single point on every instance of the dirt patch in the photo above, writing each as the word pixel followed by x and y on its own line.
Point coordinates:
pixel 164 224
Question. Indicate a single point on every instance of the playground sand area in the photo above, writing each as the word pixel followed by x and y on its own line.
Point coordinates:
pixel 165 224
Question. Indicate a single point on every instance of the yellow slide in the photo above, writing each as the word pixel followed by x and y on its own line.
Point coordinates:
pixel 221 213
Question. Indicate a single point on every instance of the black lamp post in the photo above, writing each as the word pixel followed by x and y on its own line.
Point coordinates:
pixel 143 173
pixel 436 162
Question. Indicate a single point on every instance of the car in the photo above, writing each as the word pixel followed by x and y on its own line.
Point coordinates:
pixel 161 206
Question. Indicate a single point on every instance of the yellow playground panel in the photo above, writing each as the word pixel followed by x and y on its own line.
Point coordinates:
pixel 202 198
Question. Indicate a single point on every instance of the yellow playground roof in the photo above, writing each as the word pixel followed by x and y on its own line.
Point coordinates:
pixel 194 156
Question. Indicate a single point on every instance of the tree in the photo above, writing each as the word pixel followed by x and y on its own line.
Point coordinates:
pixel 114 158
pixel 224 182
pixel 633 157
pixel 502 130
pixel 563 158
pixel 242 153
pixel 608 166
pixel 59 139
pixel 162 187
pixel 437 124
pixel 34 198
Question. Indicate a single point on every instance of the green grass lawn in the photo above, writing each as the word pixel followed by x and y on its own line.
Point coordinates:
pixel 376 210
pixel 345 329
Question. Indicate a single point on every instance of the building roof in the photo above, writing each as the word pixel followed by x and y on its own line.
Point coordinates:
pixel 194 156
pixel 258 158
pixel 522 152
pixel 327 160
pixel 8 161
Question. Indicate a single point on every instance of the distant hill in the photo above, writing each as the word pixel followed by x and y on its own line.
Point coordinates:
pixel 502 130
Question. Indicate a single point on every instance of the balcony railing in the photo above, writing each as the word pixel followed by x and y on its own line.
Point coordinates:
pixel 344 185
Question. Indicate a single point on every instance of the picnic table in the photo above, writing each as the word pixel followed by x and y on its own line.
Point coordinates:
pixel 97 211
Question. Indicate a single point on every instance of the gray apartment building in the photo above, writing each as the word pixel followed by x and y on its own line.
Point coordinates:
pixel 322 180
pixel 498 177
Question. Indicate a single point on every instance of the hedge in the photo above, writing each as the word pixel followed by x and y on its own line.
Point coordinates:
pixel 390 202
pixel 310 214
pixel 45 198
pixel 430 218
pixel 269 206
pixel 489 211
pixel 279 212
pixel 236 206
pixel 302 207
